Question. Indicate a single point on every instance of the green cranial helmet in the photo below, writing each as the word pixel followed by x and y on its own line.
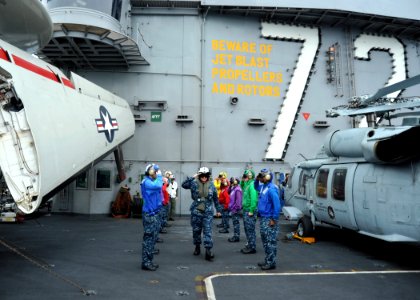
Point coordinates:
pixel 249 174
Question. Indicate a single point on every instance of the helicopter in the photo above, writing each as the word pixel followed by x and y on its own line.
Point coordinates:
pixel 53 126
pixel 364 179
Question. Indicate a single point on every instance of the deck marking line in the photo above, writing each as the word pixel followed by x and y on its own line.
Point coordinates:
pixel 211 295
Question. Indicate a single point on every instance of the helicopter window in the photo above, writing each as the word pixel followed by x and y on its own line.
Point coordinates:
pixel 338 184
pixel 321 183
pixel 302 183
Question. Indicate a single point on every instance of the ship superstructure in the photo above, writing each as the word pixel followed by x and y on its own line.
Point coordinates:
pixel 227 84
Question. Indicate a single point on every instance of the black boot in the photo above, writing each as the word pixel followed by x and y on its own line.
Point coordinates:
pixel 197 250
pixel 209 254
pixel 248 251
pixel 149 267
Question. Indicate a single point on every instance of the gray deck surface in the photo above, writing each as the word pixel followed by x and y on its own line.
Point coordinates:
pixel 66 257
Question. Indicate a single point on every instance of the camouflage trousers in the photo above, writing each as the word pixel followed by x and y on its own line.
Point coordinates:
pixel 151 229
pixel 163 213
pixel 225 218
pixel 236 225
pixel 202 223
pixel 249 228
pixel 269 240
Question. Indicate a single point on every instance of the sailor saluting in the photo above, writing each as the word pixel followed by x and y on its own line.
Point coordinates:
pixel 151 190
pixel 204 195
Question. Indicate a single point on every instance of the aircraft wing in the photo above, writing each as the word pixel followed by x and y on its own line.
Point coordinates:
pixel 52 127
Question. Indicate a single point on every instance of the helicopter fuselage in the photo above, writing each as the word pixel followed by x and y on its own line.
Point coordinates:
pixel 375 199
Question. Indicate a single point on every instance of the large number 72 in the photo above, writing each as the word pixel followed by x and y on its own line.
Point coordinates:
pixel 309 37
pixel 310 43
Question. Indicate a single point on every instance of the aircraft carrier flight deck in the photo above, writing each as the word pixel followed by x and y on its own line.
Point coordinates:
pixel 68 257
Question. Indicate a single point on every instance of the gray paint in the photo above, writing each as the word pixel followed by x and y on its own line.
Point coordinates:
pixel 401 9
pixel 178 48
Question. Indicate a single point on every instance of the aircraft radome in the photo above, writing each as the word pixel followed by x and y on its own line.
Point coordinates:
pixel 363 179
pixel 52 126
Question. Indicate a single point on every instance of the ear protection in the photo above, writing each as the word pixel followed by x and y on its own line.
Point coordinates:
pixel 150 170
pixel 266 174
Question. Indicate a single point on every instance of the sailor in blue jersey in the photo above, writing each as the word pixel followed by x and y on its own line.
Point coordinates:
pixel 269 208
pixel 204 195
pixel 151 190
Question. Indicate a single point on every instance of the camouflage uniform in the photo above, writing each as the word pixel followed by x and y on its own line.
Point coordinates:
pixel 151 190
pixel 224 199
pixel 269 208
pixel 201 221
pixel 151 226
pixel 235 206
pixel 249 207
pixel 236 226
pixel 269 240
pixel 249 228
pixel 164 210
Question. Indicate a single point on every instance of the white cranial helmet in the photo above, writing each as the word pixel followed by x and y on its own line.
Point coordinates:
pixel 148 167
pixel 204 170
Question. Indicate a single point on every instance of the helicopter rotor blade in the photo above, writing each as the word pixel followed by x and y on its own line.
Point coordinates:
pixel 393 88
pixel 352 112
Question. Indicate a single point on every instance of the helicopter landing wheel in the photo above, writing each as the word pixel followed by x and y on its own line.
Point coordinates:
pixel 305 227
